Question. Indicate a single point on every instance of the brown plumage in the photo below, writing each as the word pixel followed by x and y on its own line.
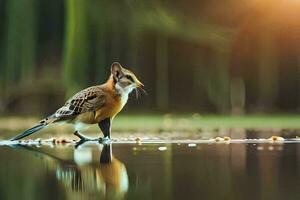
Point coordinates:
pixel 94 105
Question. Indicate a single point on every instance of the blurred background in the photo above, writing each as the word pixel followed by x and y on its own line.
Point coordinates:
pixel 204 56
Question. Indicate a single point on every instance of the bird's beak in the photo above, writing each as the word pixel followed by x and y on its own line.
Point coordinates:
pixel 139 84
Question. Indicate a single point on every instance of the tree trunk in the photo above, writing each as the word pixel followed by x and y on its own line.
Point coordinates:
pixel 298 72
pixel 219 82
pixel 268 72
pixel 76 52
pixel 162 79
pixel 20 56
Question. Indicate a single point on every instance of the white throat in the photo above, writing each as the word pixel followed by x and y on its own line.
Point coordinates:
pixel 123 92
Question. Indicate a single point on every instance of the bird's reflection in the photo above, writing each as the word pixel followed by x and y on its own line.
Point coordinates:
pixel 95 172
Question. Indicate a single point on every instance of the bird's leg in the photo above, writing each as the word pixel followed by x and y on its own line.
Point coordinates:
pixel 105 125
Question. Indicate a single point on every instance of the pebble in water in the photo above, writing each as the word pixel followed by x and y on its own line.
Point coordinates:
pixel 276 138
pixel 138 140
pixel 219 139
pixel 271 148
pixel 260 148
pixel 162 148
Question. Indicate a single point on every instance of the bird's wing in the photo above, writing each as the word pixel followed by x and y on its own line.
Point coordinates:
pixel 87 100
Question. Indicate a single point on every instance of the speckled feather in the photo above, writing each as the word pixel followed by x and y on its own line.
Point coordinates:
pixel 88 100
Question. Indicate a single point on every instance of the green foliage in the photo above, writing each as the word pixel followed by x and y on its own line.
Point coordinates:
pixel 188 55
pixel 20 44
pixel 195 122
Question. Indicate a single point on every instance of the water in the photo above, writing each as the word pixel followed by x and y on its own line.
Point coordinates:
pixel 178 170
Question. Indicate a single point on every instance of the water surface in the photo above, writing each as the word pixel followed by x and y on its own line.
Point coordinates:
pixel 178 170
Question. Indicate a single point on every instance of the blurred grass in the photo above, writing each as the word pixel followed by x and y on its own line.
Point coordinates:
pixel 195 121
pixel 172 122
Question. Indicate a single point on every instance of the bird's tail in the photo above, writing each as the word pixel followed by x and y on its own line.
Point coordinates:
pixel 29 132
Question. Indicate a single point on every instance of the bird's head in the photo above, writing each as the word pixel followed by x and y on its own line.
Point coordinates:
pixel 124 79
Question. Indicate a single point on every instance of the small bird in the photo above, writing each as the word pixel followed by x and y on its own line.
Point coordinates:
pixel 94 105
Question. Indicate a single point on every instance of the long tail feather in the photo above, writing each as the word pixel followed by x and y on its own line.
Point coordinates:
pixel 29 132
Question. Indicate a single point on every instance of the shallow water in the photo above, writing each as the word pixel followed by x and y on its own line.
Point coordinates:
pixel 178 170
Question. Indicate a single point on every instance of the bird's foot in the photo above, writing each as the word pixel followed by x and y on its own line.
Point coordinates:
pixel 84 138
pixel 105 140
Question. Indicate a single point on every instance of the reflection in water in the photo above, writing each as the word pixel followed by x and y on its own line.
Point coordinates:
pixel 90 175
pixel 153 171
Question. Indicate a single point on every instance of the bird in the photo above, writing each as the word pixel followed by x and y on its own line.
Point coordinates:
pixel 94 105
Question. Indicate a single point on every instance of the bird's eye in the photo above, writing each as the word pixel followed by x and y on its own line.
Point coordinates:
pixel 130 78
